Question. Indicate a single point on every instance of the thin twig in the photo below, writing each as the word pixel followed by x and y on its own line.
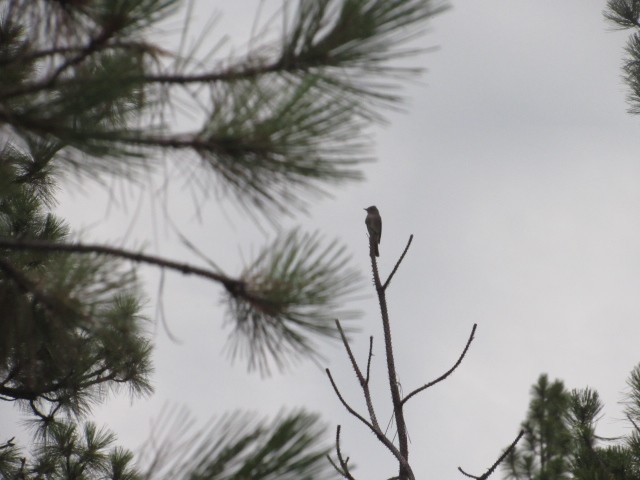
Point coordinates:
pixel 37 412
pixel 369 358
pixel 347 406
pixel 448 372
pixel 8 444
pixel 491 469
pixel 344 463
pixel 393 272
pixel 333 464
pixel 364 384
pixel 379 435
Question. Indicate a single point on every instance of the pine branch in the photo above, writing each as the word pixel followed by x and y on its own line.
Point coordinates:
pixel 237 445
pixel 623 13
pixel 278 129
pixel 294 288
pixel 137 257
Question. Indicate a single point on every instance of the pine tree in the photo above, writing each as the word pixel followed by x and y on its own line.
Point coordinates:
pixel 547 442
pixel 85 91
pixel 563 424
pixel 625 14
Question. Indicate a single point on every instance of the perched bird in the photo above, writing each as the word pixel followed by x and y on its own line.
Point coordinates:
pixel 374 226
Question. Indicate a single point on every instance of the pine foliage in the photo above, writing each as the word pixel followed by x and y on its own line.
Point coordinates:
pixel 561 440
pixel 84 90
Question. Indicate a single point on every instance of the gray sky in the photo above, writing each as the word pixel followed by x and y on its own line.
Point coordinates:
pixel 515 166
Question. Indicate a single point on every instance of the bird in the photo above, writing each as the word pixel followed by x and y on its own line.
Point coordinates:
pixel 374 226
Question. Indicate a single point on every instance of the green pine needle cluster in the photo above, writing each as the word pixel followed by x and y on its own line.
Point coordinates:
pixel 72 325
pixel 275 129
pixel 69 451
pixel 238 446
pixel 290 296
pixel 625 14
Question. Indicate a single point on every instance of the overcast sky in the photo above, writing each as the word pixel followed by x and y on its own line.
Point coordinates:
pixel 515 166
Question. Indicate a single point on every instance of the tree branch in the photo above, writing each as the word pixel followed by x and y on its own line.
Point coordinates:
pixel 369 358
pixel 377 432
pixel 344 464
pixel 491 469
pixel 393 272
pixel 8 444
pixel 405 469
pixel 364 383
pixel 447 373
pixel 234 286
pixel 83 52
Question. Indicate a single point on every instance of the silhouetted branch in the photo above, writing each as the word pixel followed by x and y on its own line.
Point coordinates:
pixel 364 384
pixel 393 272
pixel 376 430
pixel 403 451
pixel 38 413
pixel 137 257
pixel 344 463
pixel 497 462
pixel 347 406
pixel 8 444
pixel 369 358
pixel 449 372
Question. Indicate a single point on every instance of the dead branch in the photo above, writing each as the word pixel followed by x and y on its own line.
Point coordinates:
pixel 448 372
pixel 397 265
pixel 364 383
pixel 492 468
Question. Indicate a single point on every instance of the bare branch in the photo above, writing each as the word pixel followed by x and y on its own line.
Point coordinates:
pixel 347 406
pixel 364 384
pixel 344 463
pixel 493 467
pixel 393 272
pixel 369 358
pixel 377 432
pixel 447 373
pixel 26 284
pixel 82 248
pixel 403 453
